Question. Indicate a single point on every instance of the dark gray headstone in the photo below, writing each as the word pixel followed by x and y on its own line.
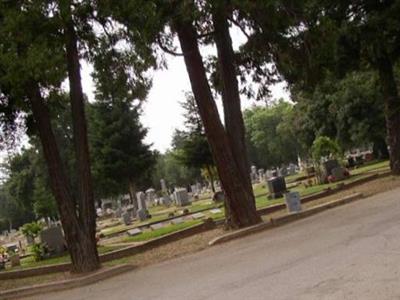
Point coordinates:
pixel 54 239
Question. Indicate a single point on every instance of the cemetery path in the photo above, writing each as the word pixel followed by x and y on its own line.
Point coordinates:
pixel 350 252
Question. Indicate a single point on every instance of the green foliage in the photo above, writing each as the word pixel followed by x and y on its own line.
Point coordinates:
pixel 119 154
pixel 38 251
pixel 323 146
pixel 270 139
pixel 32 229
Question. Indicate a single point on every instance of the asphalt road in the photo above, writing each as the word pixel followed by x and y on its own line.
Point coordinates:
pixel 350 252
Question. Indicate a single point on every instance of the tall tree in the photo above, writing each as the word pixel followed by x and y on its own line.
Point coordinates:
pixel 41 51
pixel 241 204
pixel 234 124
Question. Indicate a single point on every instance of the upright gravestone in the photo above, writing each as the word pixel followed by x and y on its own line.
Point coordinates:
pixel 142 213
pixel 163 186
pixel 293 202
pixel 292 169
pixel 126 218
pixel 253 174
pixel 53 238
pixel 261 175
pixel 141 199
pixel 276 186
pixel 151 196
pixel 166 200
pixel 181 197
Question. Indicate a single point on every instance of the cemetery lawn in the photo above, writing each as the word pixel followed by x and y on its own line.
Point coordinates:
pixel 148 235
pixel 29 261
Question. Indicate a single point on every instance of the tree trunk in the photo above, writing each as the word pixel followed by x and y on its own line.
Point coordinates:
pixel 242 210
pixel 392 109
pixel 132 194
pixel 79 245
pixel 86 206
pixel 234 123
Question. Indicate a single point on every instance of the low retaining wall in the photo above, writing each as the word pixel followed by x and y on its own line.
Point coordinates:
pixel 130 250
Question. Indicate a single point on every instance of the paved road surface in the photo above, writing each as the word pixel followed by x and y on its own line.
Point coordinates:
pixel 350 252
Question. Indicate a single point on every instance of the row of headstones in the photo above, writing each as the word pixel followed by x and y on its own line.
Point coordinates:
pixel 260 175
pixel 180 196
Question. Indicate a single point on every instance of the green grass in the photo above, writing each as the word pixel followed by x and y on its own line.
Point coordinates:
pixel 374 166
pixel 29 262
pixel 148 235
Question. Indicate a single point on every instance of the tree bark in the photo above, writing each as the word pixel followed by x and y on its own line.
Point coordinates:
pixel 234 123
pixel 242 209
pixel 79 245
pixel 86 207
pixel 392 109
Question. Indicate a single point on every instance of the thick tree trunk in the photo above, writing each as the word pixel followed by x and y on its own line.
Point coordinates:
pixel 392 110
pixel 79 245
pixel 86 206
pixel 242 210
pixel 234 123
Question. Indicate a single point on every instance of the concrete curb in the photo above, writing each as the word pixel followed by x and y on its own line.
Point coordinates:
pixel 65 284
pixel 282 220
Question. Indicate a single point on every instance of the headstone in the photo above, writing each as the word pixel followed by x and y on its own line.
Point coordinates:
pixel 329 165
pixel 166 200
pixel 268 174
pixel 30 240
pixel 141 214
pixel 215 210
pixel 141 199
pixel 118 212
pixel 177 220
pixel 53 238
pixel 163 186
pixel 126 218
pixel 219 197
pixel 338 173
pixel 261 175
pixel 198 215
pixel 151 195
pixel 156 226
pixel 292 169
pixel 276 186
pixel 106 204
pixel 181 197
pixel 134 231
pixel 125 200
pixel 253 174
pixel 293 202
pixel 310 171
pixel 194 190
pixel 15 260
